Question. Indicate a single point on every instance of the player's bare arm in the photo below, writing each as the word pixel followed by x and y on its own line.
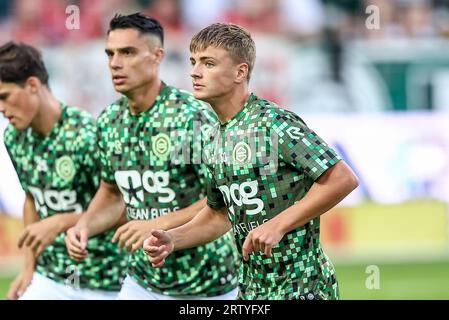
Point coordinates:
pixel 104 212
pixel 132 235
pixel 19 285
pixel 43 232
pixel 332 187
pixel 208 225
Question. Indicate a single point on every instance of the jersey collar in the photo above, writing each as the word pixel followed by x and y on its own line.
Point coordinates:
pixel 239 115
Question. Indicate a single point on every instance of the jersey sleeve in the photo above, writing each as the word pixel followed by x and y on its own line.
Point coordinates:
pixel 198 128
pixel 11 144
pixel 214 197
pixel 107 173
pixel 301 147
pixel 88 150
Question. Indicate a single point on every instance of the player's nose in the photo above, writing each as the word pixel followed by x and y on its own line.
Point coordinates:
pixel 115 62
pixel 195 72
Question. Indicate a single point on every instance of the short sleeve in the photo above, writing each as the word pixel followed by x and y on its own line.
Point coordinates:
pixel 107 173
pixel 88 150
pixel 214 197
pixel 301 147
pixel 11 144
pixel 198 128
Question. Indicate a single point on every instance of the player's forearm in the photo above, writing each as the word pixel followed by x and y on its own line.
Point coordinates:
pixel 30 216
pixel 30 260
pixel 180 217
pixel 325 193
pixel 104 212
pixel 67 220
pixel 208 225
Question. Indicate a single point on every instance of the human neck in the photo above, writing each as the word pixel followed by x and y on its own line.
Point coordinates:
pixel 229 105
pixel 141 99
pixel 48 115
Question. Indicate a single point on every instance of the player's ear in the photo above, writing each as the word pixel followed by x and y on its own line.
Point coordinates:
pixel 242 73
pixel 32 84
pixel 159 53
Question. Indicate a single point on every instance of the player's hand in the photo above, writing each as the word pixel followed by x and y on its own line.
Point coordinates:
pixel 132 234
pixel 76 242
pixel 157 247
pixel 262 239
pixel 39 235
pixel 20 284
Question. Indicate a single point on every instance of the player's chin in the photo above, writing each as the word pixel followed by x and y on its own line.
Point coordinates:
pixel 201 95
pixel 121 88
pixel 19 125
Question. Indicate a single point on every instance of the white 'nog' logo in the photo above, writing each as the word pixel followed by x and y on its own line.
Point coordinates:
pixel 242 194
pixel 133 186
pixel 58 201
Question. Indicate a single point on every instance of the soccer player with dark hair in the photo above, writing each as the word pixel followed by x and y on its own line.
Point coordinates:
pixel 53 149
pixel 270 178
pixel 139 136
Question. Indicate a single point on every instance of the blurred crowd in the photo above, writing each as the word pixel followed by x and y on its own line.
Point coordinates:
pixel 44 21
pixel 313 40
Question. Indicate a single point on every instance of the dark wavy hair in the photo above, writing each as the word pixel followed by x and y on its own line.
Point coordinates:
pixel 19 61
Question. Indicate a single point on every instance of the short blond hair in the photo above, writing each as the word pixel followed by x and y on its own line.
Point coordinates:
pixel 233 38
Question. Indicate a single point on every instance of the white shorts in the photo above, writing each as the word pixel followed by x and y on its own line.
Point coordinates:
pixel 131 290
pixel 43 288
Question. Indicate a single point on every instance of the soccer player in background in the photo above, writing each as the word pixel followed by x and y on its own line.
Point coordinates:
pixel 53 149
pixel 273 174
pixel 138 135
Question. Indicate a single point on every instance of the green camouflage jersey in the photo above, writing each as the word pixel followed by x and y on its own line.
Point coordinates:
pixel 154 158
pixel 260 163
pixel 62 172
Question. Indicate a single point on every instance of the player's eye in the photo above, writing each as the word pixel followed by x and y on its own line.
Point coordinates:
pixel 127 52
pixel 209 64
pixel 192 62
pixel 3 97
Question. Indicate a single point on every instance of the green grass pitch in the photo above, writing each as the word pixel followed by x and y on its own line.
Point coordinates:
pixel 397 281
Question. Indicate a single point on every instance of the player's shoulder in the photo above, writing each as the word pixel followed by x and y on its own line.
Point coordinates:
pixel 78 116
pixel 10 135
pixel 191 107
pixel 269 111
pixel 78 128
pixel 111 111
pixel 76 123
pixel 181 97
pixel 10 131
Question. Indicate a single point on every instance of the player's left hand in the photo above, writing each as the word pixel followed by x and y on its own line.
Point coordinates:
pixel 262 239
pixel 132 234
pixel 40 234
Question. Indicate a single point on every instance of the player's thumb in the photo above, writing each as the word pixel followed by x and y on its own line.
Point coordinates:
pixel 83 238
pixel 160 235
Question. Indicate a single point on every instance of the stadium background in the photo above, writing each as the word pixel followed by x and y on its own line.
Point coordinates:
pixel 376 89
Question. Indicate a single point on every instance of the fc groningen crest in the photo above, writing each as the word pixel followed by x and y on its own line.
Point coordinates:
pixel 65 168
pixel 161 145
pixel 241 153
